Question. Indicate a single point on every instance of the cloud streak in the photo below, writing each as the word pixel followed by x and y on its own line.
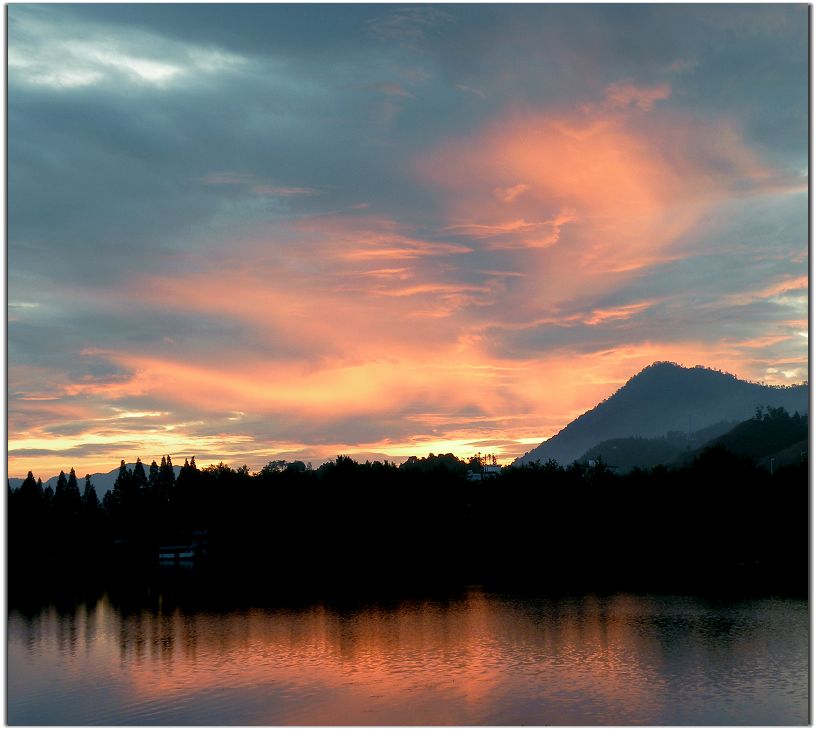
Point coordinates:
pixel 238 233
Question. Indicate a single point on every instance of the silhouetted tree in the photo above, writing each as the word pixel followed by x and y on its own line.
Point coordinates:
pixel 90 499
pixel 31 489
pixel 120 501
pixel 73 497
pixel 273 467
pixel 139 478
pixel 153 478
pixel 60 496
pixel 167 479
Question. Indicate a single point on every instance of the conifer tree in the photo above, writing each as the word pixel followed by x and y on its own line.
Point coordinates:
pixel 167 479
pixel 121 493
pixel 62 482
pixel 30 491
pixel 153 478
pixel 89 497
pixel 72 488
pixel 61 492
pixel 139 478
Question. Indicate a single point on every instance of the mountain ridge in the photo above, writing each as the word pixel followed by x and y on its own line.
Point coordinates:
pixel 665 397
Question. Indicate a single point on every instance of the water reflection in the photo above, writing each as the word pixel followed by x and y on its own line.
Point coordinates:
pixel 478 659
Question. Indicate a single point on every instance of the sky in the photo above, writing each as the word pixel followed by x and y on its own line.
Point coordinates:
pixel 251 232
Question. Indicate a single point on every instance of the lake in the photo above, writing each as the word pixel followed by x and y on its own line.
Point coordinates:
pixel 475 658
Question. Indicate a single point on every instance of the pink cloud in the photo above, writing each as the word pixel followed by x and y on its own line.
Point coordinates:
pixel 618 196
pixel 508 194
pixel 515 234
pixel 353 238
pixel 618 313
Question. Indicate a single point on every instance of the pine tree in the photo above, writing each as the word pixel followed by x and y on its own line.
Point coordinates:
pixel 140 483
pixel 121 493
pixel 72 489
pixel 167 479
pixel 89 498
pixel 30 491
pixel 60 493
pixel 153 478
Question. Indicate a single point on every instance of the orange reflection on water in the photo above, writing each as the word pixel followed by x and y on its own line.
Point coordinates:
pixel 478 659
pixel 421 662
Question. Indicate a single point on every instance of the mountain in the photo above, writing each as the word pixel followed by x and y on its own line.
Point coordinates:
pixel 662 398
pixel 102 482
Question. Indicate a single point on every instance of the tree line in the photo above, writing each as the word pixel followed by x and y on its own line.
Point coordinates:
pixel 719 519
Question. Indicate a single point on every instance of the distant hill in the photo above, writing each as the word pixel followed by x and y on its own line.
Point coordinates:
pixel 625 454
pixel 102 482
pixel 774 434
pixel 662 398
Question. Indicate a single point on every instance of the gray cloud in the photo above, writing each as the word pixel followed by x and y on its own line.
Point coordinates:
pixel 89 449
pixel 158 139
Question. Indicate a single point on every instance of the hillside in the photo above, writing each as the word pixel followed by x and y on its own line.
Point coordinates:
pixel 666 397
pixel 624 454
pixel 774 434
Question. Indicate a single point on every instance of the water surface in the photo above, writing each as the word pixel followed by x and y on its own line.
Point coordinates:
pixel 480 658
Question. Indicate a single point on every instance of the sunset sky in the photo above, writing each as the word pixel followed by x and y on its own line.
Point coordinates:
pixel 255 232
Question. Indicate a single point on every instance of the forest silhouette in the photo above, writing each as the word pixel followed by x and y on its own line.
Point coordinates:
pixel 718 519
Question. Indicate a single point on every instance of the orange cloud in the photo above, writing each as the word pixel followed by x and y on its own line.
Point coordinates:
pixel 508 404
pixel 515 234
pixel 774 292
pixel 607 195
pixel 353 238
pixel 508 194
pixel 618 313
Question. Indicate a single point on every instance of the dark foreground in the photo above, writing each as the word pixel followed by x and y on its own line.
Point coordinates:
pixel 719 521
pixel 344 595
pixel 176 646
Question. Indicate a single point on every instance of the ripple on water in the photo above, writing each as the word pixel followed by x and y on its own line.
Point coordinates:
pixel 484 659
